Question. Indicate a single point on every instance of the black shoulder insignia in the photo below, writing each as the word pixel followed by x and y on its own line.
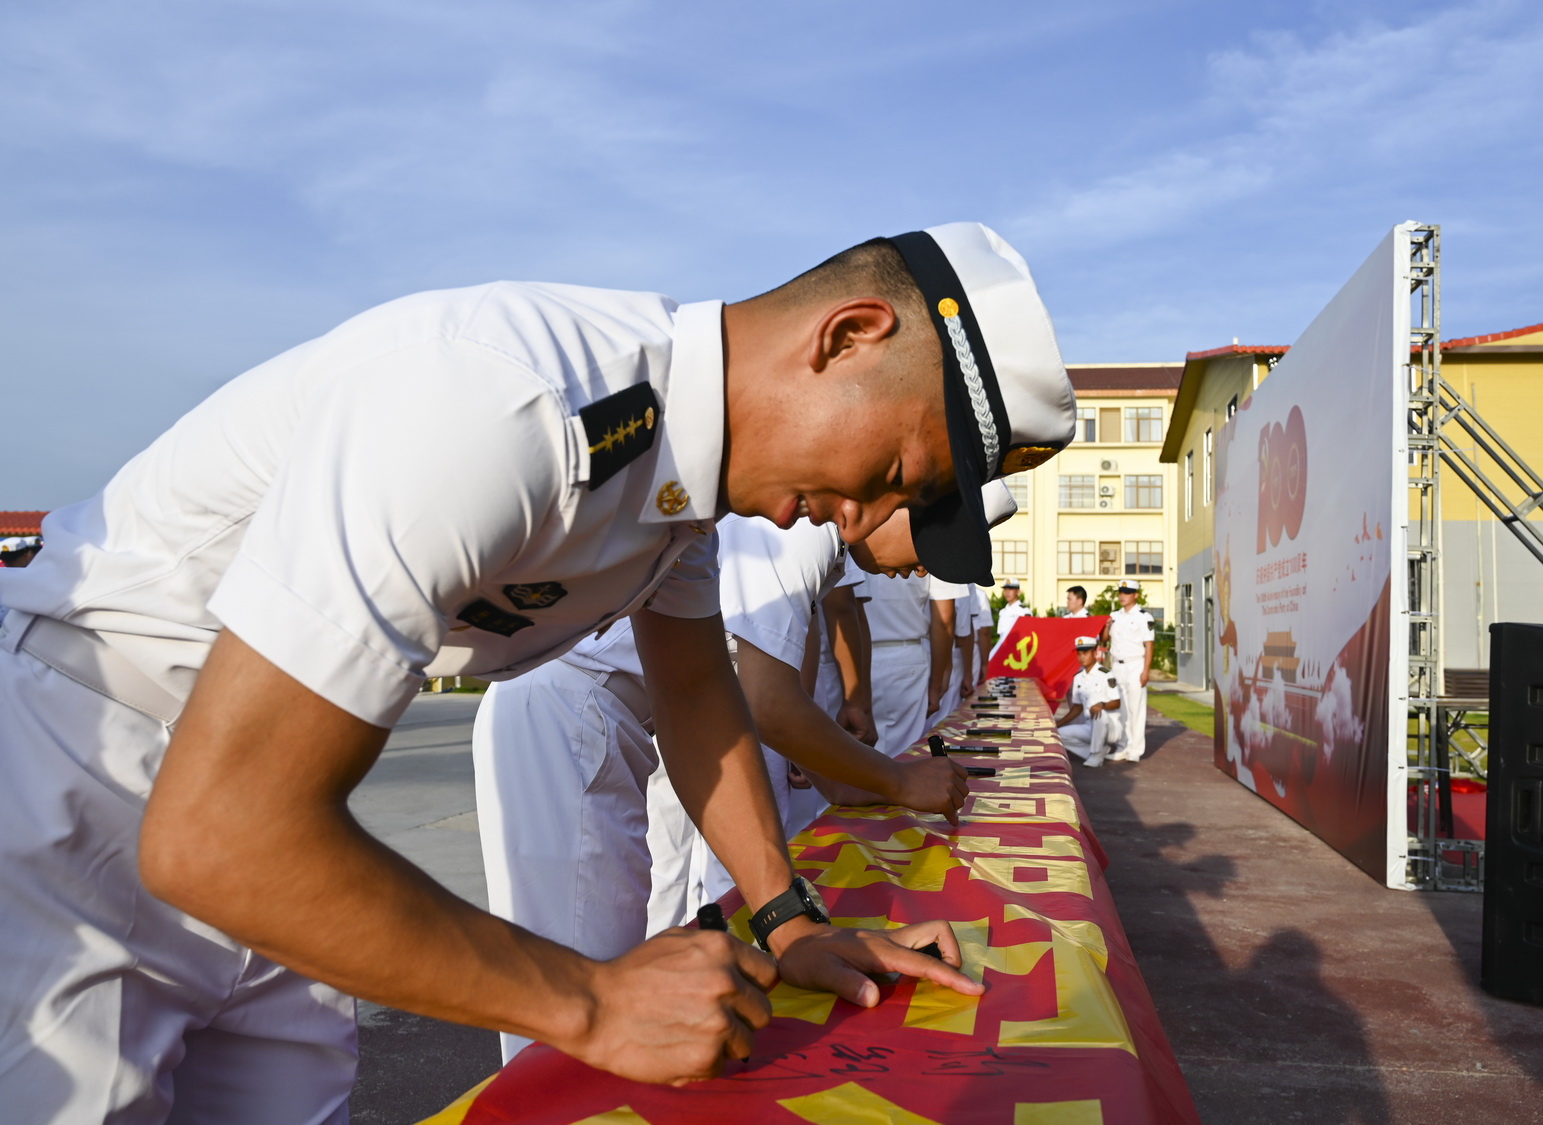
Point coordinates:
pixel 535 595
pixel 620 429
pixel 483 614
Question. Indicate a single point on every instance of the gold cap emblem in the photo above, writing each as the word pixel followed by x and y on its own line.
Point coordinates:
pixel 672 498
pixel 948 307
pixel 1021 458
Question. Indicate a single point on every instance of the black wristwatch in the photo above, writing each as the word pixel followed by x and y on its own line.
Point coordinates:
pixel 800 899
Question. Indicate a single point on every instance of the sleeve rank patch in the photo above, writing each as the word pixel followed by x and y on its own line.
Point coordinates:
pixel 483 614
pixel 620 429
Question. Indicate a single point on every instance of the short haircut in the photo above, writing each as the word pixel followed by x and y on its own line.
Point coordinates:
pixel 870 269
pixel 1082 595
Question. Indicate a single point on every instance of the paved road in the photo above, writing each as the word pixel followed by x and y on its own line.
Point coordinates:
pixel 418 799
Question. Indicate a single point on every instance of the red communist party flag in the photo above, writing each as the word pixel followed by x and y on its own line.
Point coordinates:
pixel 1044 649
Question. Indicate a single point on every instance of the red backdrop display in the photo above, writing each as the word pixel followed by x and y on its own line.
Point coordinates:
pixel 1066 1032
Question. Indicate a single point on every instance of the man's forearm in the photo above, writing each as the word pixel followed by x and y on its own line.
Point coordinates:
pixel 793 725
pixel 712 751
pixel 248 829
pixel 941 635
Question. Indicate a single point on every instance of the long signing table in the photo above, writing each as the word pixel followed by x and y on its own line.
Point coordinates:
pixel 1066 1033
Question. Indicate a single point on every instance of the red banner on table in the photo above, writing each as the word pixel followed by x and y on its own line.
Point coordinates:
pixel 1066 1032
pixel 1044 649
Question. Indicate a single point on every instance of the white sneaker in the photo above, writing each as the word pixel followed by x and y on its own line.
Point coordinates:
pixel 1124 756
pixel 1093 762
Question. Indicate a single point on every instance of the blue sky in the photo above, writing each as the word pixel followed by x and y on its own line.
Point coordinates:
pixel 192 186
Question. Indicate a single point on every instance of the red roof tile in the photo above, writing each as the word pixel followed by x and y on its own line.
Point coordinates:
pixel 1239 349
pixel 1470 341
pixel 21 523
pixel 1117 377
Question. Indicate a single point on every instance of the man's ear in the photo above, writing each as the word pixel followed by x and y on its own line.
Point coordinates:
pixel 844 330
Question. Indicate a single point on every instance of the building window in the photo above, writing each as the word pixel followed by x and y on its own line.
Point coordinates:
pixel 1018 487
pixel 1109 559
pixel 1209 472
pixel 1087 423
pixel 1109 423
pixel 1184 638
pixel 1077 492
pixel 1232 405
pixel 1144 491
pixel 1010 558
pixel 1189 485
pixel 1144 556
pixel 1074 556
pixel 1143 423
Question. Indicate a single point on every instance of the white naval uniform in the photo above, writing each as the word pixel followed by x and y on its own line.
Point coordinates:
pixel 899 619
pixel 1092 736
pixel 580 844
pixel 1129 632
pixel 1006 619
pixel 304 506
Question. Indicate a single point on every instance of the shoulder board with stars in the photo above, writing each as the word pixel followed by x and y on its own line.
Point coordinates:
pixel 620 428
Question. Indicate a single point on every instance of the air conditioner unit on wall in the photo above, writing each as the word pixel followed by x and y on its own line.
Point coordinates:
pixel 1103 503
pixel 1108 466
pixel 1106 490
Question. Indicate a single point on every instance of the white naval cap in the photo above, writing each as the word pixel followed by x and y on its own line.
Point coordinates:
pixel 14 543
pixel 1009 401
pixel 1129 586
pixel 1084 643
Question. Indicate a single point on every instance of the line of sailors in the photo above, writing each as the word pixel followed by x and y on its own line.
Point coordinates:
pixel 847 656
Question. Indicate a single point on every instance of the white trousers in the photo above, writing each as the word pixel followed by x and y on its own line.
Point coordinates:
pixel 900 673
pixel 114 1007
pixel 1133 702
pixel 563 769
pixel 1093 738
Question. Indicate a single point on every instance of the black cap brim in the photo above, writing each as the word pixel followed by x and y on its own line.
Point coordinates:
pixel 951 535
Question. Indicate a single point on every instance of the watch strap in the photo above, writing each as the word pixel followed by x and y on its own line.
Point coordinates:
pixel 791 903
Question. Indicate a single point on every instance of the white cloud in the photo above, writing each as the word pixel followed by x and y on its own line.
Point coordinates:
pixel 1357 112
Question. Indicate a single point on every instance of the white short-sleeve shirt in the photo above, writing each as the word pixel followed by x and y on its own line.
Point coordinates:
pixel 1129 632
pixel 772 580
pixel 1091 686
pixel 899 609
pixel 407 496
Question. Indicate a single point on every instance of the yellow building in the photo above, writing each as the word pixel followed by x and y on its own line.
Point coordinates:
pixel 1104 508
pixel 1487 575
pixel 1213 385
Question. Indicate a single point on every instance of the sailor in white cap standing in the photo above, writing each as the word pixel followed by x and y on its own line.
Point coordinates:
pixel 189 904
pixel 1012 609
pixel 1130 635
pixel 1091 726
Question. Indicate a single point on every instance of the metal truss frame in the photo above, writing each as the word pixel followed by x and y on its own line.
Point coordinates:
pixel 1435 861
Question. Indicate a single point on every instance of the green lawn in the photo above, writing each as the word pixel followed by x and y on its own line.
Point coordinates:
pixel 1196 716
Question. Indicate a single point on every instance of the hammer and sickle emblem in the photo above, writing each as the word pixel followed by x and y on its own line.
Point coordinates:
pixel 1026 648
pixel 672 498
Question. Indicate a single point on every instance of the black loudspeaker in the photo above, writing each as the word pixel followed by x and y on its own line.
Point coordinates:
pixel 1512 965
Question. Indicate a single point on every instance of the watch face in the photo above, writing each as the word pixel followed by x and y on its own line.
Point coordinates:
pixel 811 897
